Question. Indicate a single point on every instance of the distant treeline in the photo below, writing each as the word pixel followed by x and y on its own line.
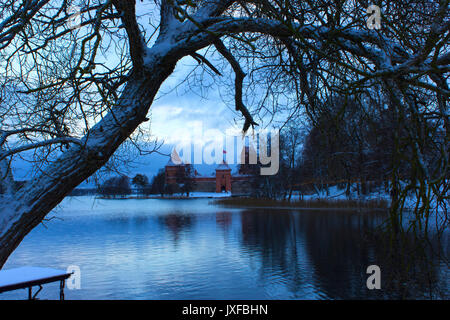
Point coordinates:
pixel 123 186
pixel 354 143
pixel 140 185
pixel 84 192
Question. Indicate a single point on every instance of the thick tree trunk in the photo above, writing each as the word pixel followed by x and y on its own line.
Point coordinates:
pixel 24 210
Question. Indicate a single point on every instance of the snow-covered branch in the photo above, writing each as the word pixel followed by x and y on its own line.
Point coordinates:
pixel 6 177
pixel 18 19
pixel 135 38
pixel 63 140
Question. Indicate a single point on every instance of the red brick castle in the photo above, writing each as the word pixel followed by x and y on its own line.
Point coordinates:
pixel 222 181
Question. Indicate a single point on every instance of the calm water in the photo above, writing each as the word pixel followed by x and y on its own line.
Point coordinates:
pixel 190 249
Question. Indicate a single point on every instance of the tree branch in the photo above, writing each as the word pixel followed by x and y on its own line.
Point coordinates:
pixel 238 83
pixel 201 59
pixel 64 140
pixel 135 39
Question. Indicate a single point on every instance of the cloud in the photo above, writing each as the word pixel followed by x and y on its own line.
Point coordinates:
pixel 174 118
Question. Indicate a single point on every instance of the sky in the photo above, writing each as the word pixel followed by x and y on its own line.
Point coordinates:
pixel 191 106
pixel 177 112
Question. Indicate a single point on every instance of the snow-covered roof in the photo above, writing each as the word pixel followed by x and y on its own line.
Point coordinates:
pixel 170 163
pixel 175 159
pixel 223 166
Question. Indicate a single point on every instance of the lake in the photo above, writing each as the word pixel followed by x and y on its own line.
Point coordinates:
pixel 192 249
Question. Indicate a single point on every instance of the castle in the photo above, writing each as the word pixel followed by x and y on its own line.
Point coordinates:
pixel 221 181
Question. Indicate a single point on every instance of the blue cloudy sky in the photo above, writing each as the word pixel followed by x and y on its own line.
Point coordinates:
pixel 190 99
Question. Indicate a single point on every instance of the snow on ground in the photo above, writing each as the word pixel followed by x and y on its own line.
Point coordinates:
pixel 335 193
pixel 192 195
pixel 205 195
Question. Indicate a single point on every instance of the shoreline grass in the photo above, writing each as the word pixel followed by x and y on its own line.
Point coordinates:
pixel 313 203
pixel 246 202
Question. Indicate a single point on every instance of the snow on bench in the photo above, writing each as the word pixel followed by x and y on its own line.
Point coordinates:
pixel 27 277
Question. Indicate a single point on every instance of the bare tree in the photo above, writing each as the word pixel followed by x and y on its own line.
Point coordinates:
pixel 158 183
pixel 64 98
pixel 115 187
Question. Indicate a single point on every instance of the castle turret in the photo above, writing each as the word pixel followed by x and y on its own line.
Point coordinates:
pixel 174 168
pixel 223 177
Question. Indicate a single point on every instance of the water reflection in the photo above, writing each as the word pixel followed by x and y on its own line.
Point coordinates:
pixel 176 223
pixel 338 247
pixel 274 238
pixel 178 249
pixel 224 219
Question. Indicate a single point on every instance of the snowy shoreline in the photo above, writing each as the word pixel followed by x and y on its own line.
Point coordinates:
pixel 192 195
pixel 334 199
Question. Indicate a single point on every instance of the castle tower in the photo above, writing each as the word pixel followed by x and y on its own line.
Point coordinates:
pixel 173 168
pixel 223 178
